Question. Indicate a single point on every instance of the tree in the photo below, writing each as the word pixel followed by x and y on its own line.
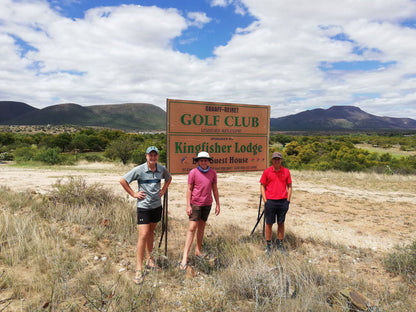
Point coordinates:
pixel 63 141
pixel 122 148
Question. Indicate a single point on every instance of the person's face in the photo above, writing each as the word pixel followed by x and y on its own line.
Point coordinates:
pixel 203 163
pixel 152 157
pixel 277 162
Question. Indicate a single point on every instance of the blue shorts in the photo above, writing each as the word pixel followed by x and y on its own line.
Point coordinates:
pixel 275 210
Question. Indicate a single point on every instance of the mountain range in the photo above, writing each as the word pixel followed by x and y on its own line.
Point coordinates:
pixel 149 117
pixel 339 118
pixel 128 117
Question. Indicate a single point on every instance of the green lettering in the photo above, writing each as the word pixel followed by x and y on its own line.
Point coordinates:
pixel 198 122
pixel 178 147
pixel 186 122
pixel 226 121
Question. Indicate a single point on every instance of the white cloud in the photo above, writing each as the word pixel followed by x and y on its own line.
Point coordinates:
pixel 125 54
pixel 239 7
pixel 198 19
pixel 221 3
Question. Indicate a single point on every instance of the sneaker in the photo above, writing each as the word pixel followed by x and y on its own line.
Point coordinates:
pixel 268 250
pixel 280 245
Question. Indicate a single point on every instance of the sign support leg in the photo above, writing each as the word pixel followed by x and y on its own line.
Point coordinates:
pixel 165 223
pixel 259 217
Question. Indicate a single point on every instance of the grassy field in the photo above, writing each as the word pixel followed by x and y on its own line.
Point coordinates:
pixel 395 150
pixel 70 245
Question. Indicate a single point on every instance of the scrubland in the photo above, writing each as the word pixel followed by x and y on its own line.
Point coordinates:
pixel 68 236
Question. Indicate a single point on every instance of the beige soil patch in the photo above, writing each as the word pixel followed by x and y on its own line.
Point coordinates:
pixel 353 209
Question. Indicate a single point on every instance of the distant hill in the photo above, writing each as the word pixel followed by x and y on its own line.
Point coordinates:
pixel 10 110
pixel 149 117
pixel 129 117
pixel 339 118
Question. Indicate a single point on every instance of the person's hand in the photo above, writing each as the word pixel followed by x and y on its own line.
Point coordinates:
pixel 217 210
pixel 162 192
pixel 189 210
pixel 139 195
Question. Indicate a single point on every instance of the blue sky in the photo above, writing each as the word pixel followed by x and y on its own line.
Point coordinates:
pixel 223 21
pixel 293 55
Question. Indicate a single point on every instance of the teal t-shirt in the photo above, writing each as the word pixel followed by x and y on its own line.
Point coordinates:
pixel 148 182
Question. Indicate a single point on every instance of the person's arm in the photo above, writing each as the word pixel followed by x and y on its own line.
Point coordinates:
pixel 188 199
pixel 217 198
pixel 263 192
pixel 289 191
pixel 129 190
pixel 165 187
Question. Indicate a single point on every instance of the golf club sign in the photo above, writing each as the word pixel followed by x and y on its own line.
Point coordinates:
pixel 235 135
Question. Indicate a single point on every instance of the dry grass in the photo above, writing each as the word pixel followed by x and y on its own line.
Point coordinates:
pixel 72 249
pixel 394 150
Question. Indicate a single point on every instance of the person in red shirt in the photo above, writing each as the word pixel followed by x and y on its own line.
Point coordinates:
pixel 276 190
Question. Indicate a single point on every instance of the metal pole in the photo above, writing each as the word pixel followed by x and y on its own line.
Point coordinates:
pixel 166 223
pixel 259 216
pixel 264 226
pixel 163 220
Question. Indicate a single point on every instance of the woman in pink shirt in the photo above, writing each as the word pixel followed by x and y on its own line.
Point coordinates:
pixel 202 183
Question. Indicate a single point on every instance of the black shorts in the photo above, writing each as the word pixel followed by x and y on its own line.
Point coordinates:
pixel 200 213
pixel 275 210
pixel 147 216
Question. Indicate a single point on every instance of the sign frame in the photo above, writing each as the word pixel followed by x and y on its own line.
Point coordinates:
pixel 235 135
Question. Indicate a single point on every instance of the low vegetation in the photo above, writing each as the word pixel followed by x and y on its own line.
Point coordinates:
pixel 403 261
pixel 313 152
pixel 73 250
pixel 343 153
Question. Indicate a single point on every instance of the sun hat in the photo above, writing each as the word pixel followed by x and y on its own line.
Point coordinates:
pixel 277 155
pixel 202 155
pixel 151 149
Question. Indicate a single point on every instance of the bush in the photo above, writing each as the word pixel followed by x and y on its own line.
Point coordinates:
pixel 6 156
pixel 92 157
pixel 25 153
pixel 138 156
pixel 403 261
pixel 50 156
pixel 76 193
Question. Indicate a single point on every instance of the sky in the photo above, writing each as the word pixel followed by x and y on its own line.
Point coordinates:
pixel 293 55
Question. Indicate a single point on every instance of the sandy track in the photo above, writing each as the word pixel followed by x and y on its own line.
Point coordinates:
pixel 361 210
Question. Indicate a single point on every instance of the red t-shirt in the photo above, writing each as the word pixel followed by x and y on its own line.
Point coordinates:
pixel 275 182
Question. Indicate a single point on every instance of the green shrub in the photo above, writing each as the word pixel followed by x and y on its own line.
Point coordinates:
pixel 50 156
pixel 25 153
pixel 138 156
pixel 92 157
pixel 5 156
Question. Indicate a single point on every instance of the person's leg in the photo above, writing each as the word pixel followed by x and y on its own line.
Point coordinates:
pixel 270 219
pixel 199 237
pixel 144 230
pixel 268 231
pixel 188 241
pixel 281 231
pixel 149 245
